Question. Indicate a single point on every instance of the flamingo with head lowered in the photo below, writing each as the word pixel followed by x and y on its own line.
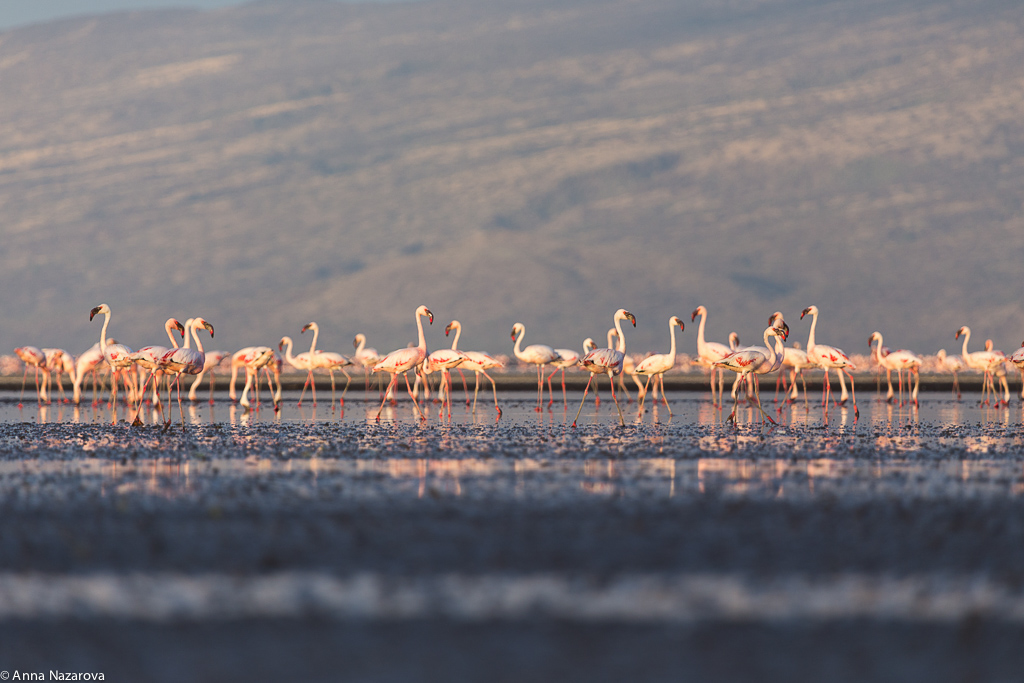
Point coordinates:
pixel 479 362
pixel 401 361
pixel 755 360
pixel 33 357
pixel 657 365
pixel 829 358
pixel 607 361
pixel 535 354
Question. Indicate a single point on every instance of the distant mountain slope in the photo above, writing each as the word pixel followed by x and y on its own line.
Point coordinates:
pixel 543 162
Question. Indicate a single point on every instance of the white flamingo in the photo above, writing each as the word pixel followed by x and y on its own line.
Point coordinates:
pixel 88 362
pixel 253 358
pixel 754 360
pixel 899 361
pixel 365 356
pixel 443 361
pixel 33 357
pixel 828 358
pixel 118 358
pixel 213 359
pixel 954 364
pixel 329 361
pixel 59 362
pixel 149 356
pixel 607 361
pixel 708 353
pixel 299 361
pixel 986 361
pixel 185 361
pixel 401 361
pixel 657 365
pixel 535 354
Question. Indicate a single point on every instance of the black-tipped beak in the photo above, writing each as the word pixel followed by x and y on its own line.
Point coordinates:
pixel 305 327
pixel 209 327
pixel 693 316
pixel 632 318
pixel 430 317
pixel 447 329
pixel 93 312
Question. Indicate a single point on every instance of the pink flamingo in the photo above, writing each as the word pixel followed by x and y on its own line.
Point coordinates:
pixel 708 353
pixel 118 358
pixel 479 362
pixel 58 362
pixel 443 361
pixel 828 358
pixel 986 361
pixel 899 361
pixel 148 357
pixel 33 358
pixel 299 362
pixel 953 364
pixel 400 361
pixel 754 360
pixel 365 356
pixel 567 358
pixel 329 361
pixel 535 354
pixel 185 361
pixel 213 359
pixel 607 361
pixel 998 371
pixel 252 358
pixel 88 363
pixel 657 365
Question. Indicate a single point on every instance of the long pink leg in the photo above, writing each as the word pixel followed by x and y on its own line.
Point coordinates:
pixel 622 420
pixel 391 384
pixel 415 403
pixel 853 395
pixel 583 401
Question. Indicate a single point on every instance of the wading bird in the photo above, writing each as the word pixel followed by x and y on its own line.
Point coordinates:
pixel 899 361
pixel 400 361
pixel 828 358
pixel 118 358
pixel 607 361
pixel 657 365
pixel 535 354
pixel 986 361
pixel 755 360
pixel 708 353
pixel 953 364
pixel 185 361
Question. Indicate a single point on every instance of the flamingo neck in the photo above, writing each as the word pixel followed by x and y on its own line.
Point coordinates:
pixel 877 353
pixel 774 351
pixel 170 335
pixel 199 344
pixel 700 334
pixel 455 342
pixel 810 336
pixel 967 336
pixel 517 350
pixel 672 335
pixel 362 342
pixel 288 351
pixel 423 340
pixel 102 333
pixel 622 339
pixel 612 333
pixel 312 346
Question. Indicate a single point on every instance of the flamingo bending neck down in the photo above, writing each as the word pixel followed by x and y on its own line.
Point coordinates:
pixel 828 358
pixel 607 361
pixel 32 357
pixel 899 361
pixel 955 365
pixel 118 358
pixel 400 361
pixel 185 361
pixel 213 359
pixel 148 358
pixel 480 362
pixel 657 365
pixel 752 361
pixel 253 358
pixel 710 352
pixel 535 354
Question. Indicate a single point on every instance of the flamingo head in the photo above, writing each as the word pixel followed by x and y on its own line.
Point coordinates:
pixel 989 345
pixel 623 314
pixel 175 324
pixel 102 308
pixel 359 337
pixel 775 315
pixel 199 322
pixel 873 337
pixel 453 325
pixel 310 326
pixel 781 328
pixel 734 340
pixel 810 310
pixel 676 320
pixel 517 329
pixel 962 330
pixel 423 310
pixel 700 310
pixel 280 344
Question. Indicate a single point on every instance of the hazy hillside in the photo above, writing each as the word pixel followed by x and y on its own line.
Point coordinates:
pixel 546 162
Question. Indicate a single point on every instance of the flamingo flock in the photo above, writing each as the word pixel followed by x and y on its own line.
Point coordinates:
pixel 135 370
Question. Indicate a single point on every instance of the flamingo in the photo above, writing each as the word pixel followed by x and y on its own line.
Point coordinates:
pixel 1017 358
pixel 364 355
pixel 607 361
pixel 213 359
pixel 479 362
pixel 185 361
pixel 628 368
pixel 33 358
pixel 899 361
pixel 117 356
pixel 796 360
pixel 567 358
pixel 997 370
pixel 400 361
pixel 444 360
pixel 755 360
pixel 327 360
pixel 827 358
pixel 148 357
pixel 59 361
pixel 299 362
pixel 536 354
pixel 986 361
pixel 708 353
pixel 88 363
pixel 657 365
pixel 953 364
pixel 252 358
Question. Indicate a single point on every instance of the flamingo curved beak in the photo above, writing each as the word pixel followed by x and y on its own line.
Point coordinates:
pixel 93 312
pixel 180 328
pixel 447 329
pixel 209 327
pixel 693 316
pixel 631 317
pixel 513 334
pixel 306 327
pixel 430 316
pixel 805 312
pixel 355 343
pixel 280 345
